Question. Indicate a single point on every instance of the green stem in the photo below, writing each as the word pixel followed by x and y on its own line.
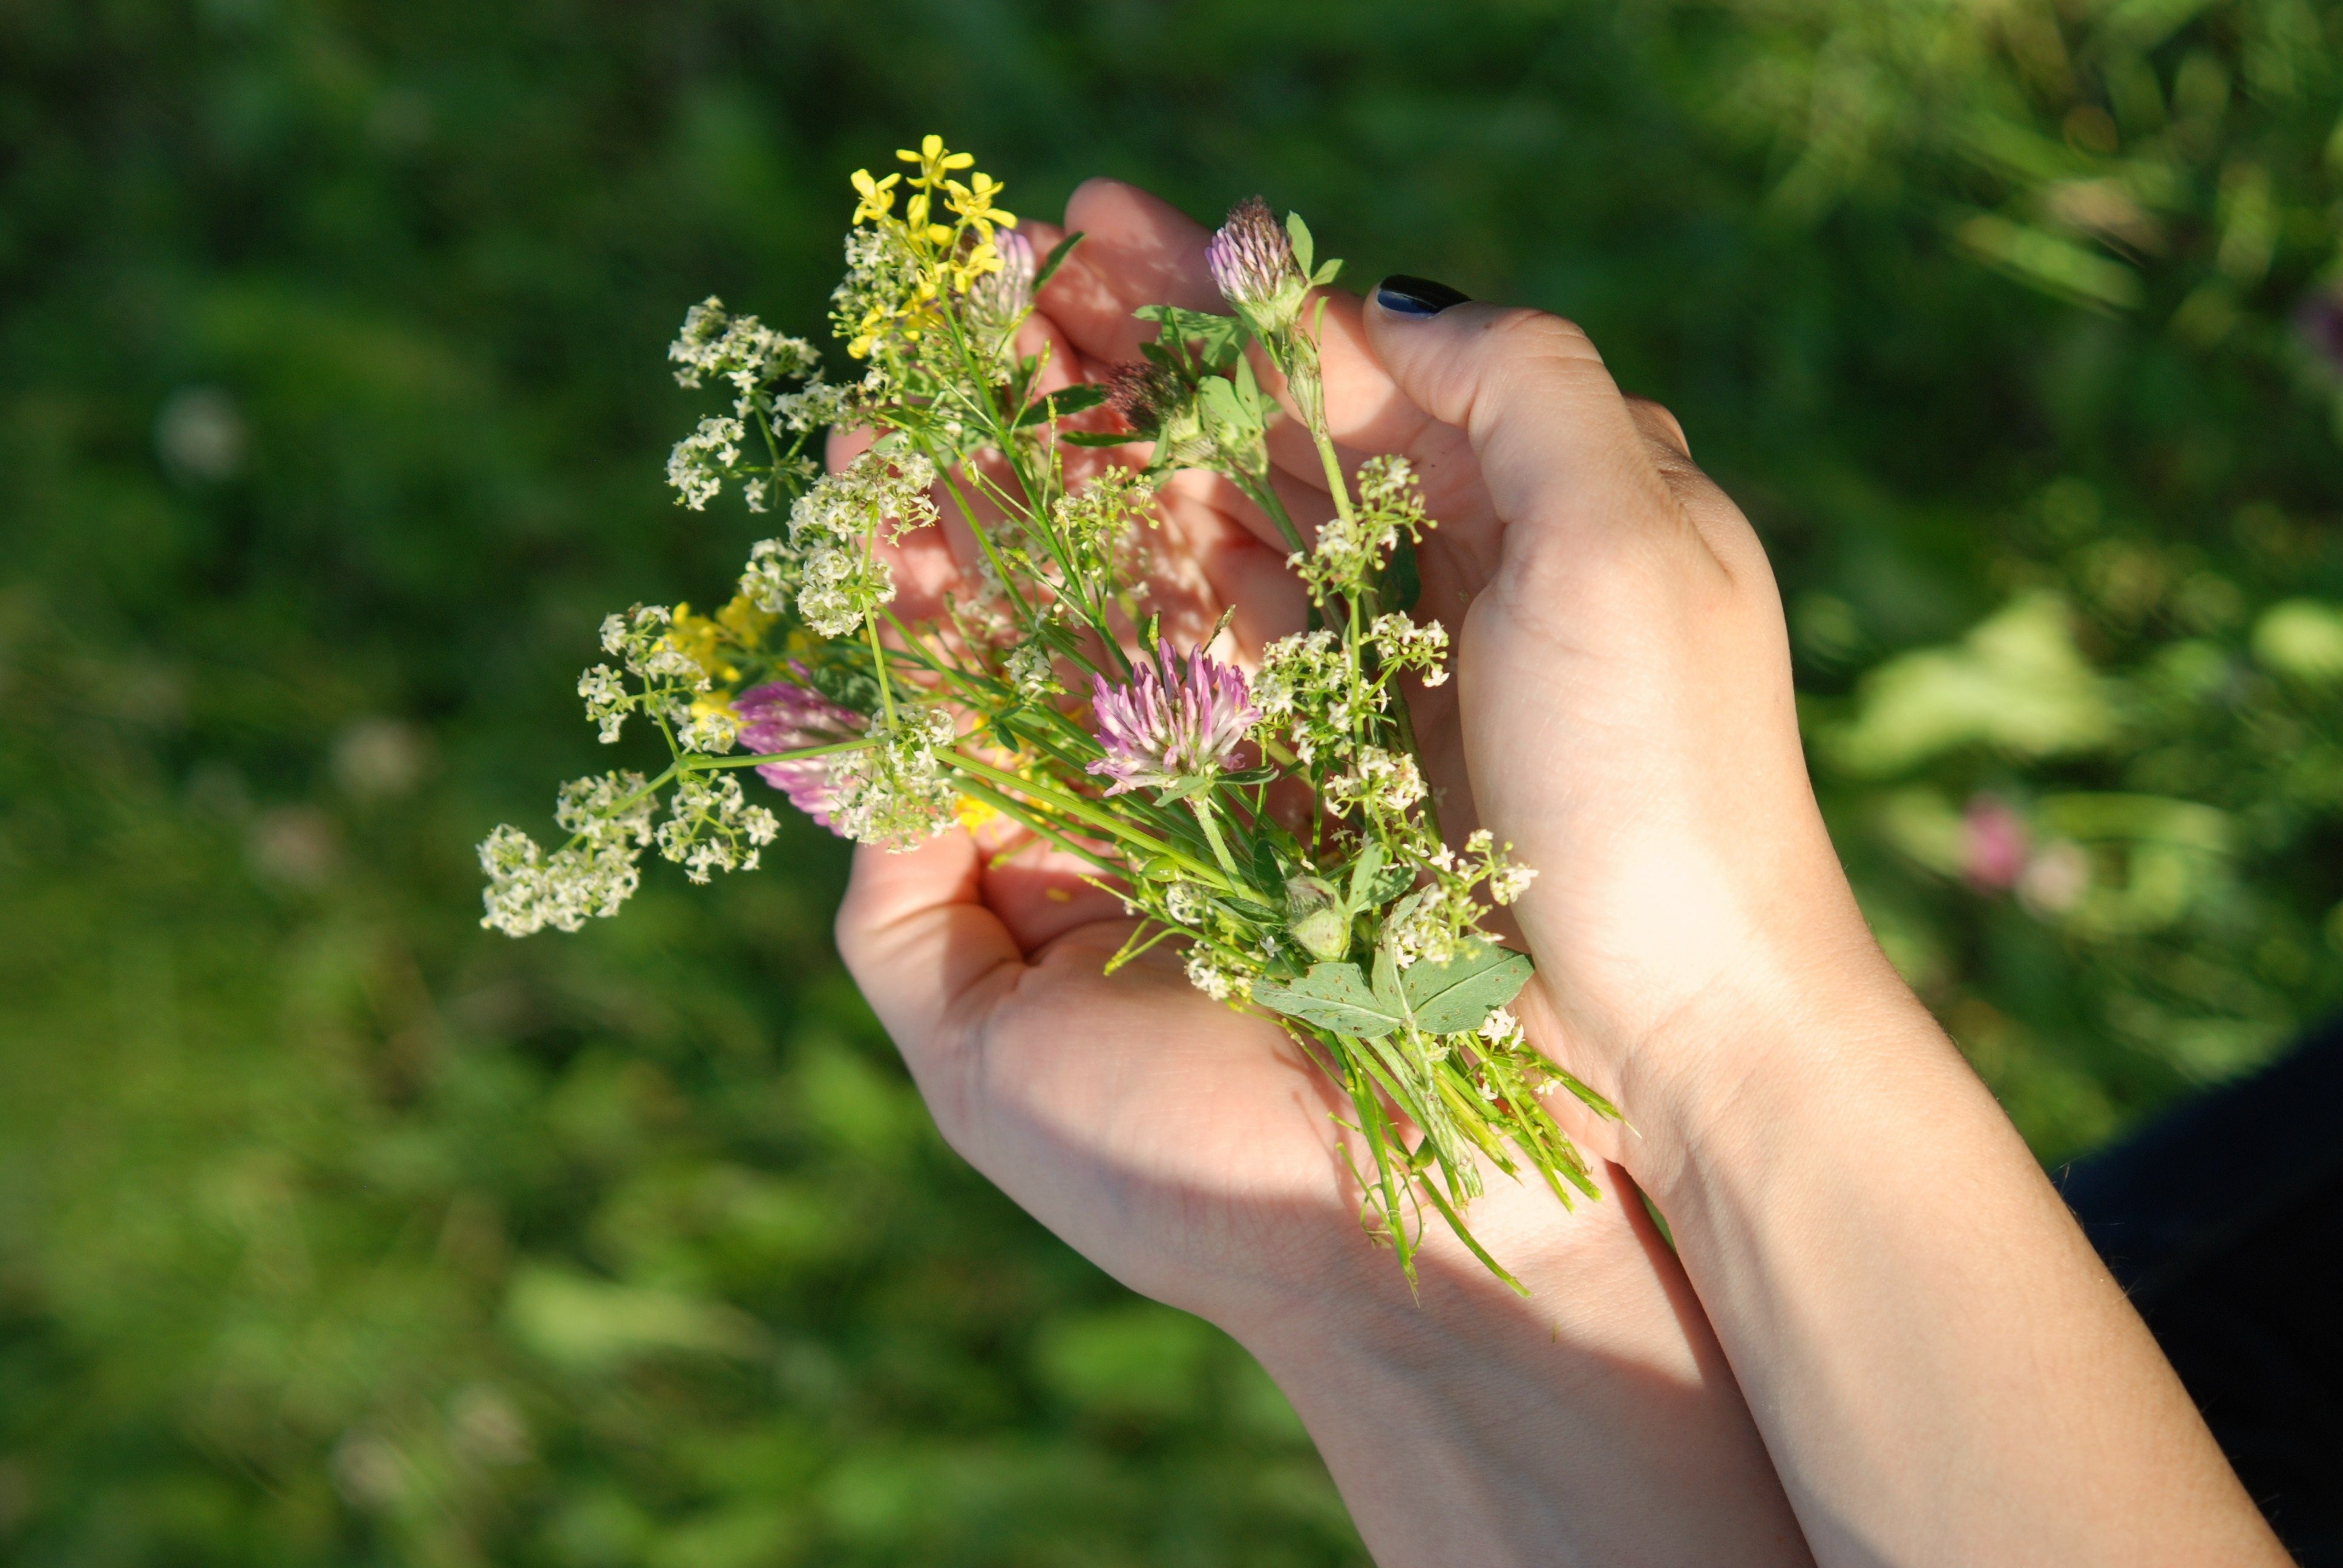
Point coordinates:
pixel 1210 820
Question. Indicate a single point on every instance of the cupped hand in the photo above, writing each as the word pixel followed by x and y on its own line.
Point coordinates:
pixel 1195 1152
pixel 1191 1149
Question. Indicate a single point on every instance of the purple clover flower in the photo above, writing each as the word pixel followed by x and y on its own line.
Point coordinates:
pixel 784 715
pixel 1253 266
pixel 1161 728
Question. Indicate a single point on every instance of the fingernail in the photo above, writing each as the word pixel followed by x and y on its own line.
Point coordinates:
pixel 1416 297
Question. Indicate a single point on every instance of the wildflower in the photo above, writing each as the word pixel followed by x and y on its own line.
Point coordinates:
pixel 607 701
pixel 711 827
pixel 1162 730
pixel 1405 645
pixel 827 563
pixel 1427 925
pixel 1306 690
pixel 935 165
pixel 811 408
pixel 898 792
pixel 738 348
pixel 1253 266
pixel 698 465
pixel 877 197
pixel 1502 1030
pixel 1507 879
pixel 790 716
pixel 973 204
pixel 1380 783
pixel 1208 975
pixel 709 726
pixel 998 300
pixel 1185 902
pixel 1033 673
pixel 609 820
pixel 1350 550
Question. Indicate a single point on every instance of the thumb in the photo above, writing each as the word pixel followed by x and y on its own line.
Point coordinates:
pixel 932 961
pixel 1560 450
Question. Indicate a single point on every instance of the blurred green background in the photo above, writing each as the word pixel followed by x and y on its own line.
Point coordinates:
pixel 332 414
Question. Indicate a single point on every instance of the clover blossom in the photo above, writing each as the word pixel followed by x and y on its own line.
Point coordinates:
pixel 1167 728
pixel 789 715
pixel 998 300
pixel 1253 264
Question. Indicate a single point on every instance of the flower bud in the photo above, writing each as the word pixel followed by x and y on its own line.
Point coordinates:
pixel 1252 262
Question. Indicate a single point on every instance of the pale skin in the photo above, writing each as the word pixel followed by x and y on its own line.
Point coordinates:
pixel 1885 1341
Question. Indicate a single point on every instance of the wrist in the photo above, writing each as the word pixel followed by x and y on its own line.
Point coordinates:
pixel 1593 1421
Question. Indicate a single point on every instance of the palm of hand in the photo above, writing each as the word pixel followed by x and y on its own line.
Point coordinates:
pixel 1190 1151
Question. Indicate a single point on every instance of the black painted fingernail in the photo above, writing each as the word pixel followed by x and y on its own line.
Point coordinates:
pixel 1416 297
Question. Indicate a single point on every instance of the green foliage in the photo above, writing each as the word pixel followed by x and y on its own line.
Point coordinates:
pixel 330 424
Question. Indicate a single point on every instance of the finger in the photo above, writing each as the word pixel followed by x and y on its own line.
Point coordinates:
pixel 1137 249
pixel 930 957
pixel 1561 454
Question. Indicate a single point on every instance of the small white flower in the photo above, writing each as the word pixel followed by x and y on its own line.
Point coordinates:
pixel 1205 973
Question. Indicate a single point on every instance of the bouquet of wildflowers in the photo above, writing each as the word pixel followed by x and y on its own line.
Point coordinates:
pixel 1274 822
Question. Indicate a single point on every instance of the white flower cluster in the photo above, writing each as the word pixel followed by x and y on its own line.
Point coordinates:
pixel 829 561
pixel 711 827
pixel 816 404
pixel 1307 691
pixel 1350 552
pixel 608 819
pixel 709 726
pixel 1502 1030
pixel 1429 925
pixel 1483 861
pixel 899 792
pixel 1033 673
pixel 1406 644
pixel 638 638
pixel 1185 902
pixel 739 348
pixel 701 461
pixel 1207 974
pixel 1381 784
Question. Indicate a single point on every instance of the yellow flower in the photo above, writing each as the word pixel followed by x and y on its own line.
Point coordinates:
pixel 700 639
pixel 973 203
pixel 745 620
pixel 933 160
pixel 973 813
pixel 878 196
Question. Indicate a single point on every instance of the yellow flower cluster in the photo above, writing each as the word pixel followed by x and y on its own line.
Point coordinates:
pixel 945 257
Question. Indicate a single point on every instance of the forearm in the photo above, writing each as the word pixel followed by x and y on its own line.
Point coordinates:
pixel 1943 1369
pixel 1595 1422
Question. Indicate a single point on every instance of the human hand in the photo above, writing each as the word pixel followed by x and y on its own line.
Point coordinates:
pixel 1193 1153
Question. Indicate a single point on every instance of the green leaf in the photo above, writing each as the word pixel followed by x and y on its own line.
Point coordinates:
pixel 1389 991
pixel 1060 403
pixel 1304 247
pixel 1454 996
pixel 1400 585
pixel 1334 997
pixel 1326 274
pixel 1055 259
pixel 1076 399
pixel 1102 437
pixel 1374 882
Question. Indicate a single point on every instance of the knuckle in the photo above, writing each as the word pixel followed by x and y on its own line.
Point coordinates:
pixel 1542 335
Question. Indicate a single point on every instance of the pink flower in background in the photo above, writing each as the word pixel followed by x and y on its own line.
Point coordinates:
pixel 1160 729
pixel 1998 844
pixel 786 715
